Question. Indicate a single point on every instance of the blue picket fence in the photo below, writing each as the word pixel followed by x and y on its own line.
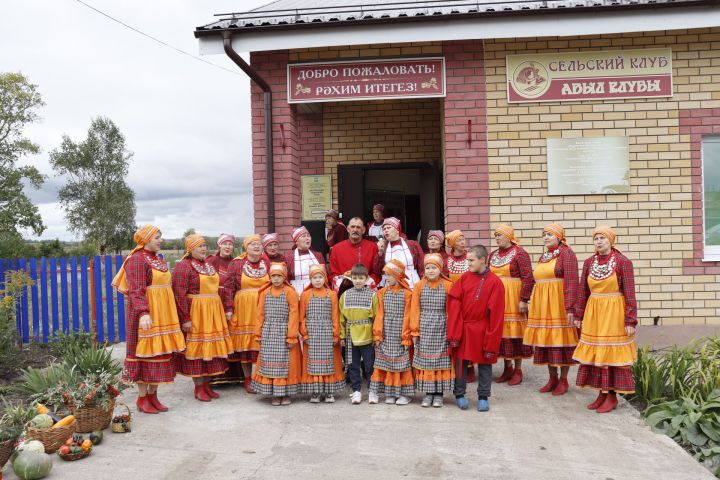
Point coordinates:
pixel 69 295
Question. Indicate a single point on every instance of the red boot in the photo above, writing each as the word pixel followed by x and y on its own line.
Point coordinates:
pixel 598 401
pixel 152 397
pixel 561 388
pixel 144 405
pixel 248 386
pixel 506 375
pixel 471 373
pixel 609 404
pixel 201 394
pixel 211 393
pixel 550 385
pixel 517 377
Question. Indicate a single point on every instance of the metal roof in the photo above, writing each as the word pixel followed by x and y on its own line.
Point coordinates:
pixel 285 14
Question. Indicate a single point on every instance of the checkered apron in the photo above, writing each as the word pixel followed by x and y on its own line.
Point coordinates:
pixel 431 351
pixel 274 352
pixel 320 336
pixel 356 298
pixel 390 355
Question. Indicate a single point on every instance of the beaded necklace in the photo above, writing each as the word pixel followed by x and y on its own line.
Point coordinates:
pixel 498 260
pixel 548 256
pixel 257 272
pixel 601 272
pixel 202 268
pixel 156 263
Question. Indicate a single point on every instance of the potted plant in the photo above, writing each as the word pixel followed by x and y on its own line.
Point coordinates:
pixel 12 423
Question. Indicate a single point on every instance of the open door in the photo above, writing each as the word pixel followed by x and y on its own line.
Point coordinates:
pixel 351 192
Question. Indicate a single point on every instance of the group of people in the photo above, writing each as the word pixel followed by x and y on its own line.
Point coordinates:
pixel 381 311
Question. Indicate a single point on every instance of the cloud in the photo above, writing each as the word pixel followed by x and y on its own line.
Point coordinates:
pixel 187 123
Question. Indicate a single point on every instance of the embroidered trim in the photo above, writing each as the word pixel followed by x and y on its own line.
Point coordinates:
pixel 500 261
pixel 548 256
pixel 601 272
pixel 156 263
pixel 258 272
pixel 202 268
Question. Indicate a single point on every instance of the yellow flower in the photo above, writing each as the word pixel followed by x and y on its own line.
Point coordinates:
pixel 8 301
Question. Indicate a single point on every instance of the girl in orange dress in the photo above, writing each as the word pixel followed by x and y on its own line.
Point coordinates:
pixel 512 264
pixel 153 332
pixel 246 275
pixel 322 372
pixel 432 364
pixel 196 285
pixel 279 364
pixel 550 328
pixel 392 372
pixel 608 310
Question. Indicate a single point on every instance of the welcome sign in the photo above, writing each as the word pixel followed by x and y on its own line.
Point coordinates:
pixel 551 77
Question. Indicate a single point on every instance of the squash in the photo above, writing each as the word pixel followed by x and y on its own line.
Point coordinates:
pixel 34 446
pixel 96 437
pixel 32 465
pixel 40 408
pixel 65 422
pixel 42 420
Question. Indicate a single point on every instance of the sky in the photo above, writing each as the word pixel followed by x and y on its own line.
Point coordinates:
pixel 187 123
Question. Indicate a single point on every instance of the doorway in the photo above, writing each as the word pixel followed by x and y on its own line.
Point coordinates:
pixel 411 192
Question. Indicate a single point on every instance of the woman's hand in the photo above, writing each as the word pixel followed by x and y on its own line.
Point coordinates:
pixel 186 327
pixel 630 331
pixel 523 307
pixel 228 316
pixel 145 322
pixel 571 319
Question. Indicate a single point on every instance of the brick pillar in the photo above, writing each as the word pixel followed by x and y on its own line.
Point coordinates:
pixel 312 160
pixel 467 196
pixel 272 66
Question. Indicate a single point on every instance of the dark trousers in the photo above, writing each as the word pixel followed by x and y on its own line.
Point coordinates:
pixel 484 378
pixel 365 355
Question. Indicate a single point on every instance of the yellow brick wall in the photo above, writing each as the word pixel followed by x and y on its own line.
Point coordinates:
pixel 653 222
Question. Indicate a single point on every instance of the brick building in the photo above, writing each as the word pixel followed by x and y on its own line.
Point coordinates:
pixel 472 157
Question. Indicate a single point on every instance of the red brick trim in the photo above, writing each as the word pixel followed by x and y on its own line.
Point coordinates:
pixel 698 122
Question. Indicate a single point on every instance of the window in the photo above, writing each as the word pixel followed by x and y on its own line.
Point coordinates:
pixel 711 197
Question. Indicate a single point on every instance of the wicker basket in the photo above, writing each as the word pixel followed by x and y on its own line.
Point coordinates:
pixel 51 438
pixel 71 457
pixel 6 449
pixel 119 426
pixel 89 418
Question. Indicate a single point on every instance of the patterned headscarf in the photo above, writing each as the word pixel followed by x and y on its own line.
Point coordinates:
pixel 250 239
pixel 269 238
pixel 297 233
pixel 437 234
pixel 333 213
pixel 315 269
pixel 608 232
pixel 393 222
pixel 142 237
pixel 379 207
pixel 508 232
pixel 437 260
pixel 453 237
pixel 396 269
pixel 192 242
pixel 276 268
pixel 226 237
pixel 557 230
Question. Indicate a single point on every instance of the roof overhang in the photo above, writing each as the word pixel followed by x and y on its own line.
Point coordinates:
pixel 547 24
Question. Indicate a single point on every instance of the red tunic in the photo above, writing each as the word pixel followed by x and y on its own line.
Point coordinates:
pixel 345 255
pixel 336 235
pixel 277 258
pixel 476 310
pixel 290 261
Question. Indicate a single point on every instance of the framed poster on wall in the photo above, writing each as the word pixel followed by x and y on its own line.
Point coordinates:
pixel 316 196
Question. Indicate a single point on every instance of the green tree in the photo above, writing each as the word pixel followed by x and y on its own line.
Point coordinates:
pixel 98 203
pixel 188 232
pixel 19 100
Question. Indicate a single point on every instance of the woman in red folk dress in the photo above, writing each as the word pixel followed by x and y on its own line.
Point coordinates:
pixel 152 327
pixel 196 284
pixel 607 312
pixel 512 264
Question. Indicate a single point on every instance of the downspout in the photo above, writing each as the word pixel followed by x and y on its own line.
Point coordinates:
pixel 267 99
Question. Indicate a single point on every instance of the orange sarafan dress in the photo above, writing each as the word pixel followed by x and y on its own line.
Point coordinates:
pixel 196 284
pixel 607 305
pixel 548 330
pixel 148 289
pixel 279 364
pixel 432 363
pixel 322 366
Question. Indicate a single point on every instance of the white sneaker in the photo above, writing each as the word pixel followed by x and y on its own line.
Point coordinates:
pixel 373 397
pixel 437 401
pixel 356 398
pixel 329 399
pixel 427 400
pixel 403 400
pixel 390 400
pixel 315 398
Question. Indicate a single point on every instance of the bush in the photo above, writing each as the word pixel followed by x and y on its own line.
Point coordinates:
pixel 15 282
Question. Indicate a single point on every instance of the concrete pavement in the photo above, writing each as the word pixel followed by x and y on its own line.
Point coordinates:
pixel 525 435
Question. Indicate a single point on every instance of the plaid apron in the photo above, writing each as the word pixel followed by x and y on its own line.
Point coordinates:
pixel 390 355
pixel 356 298
pixel 320 336
pixel 274 352
pixel 431 351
